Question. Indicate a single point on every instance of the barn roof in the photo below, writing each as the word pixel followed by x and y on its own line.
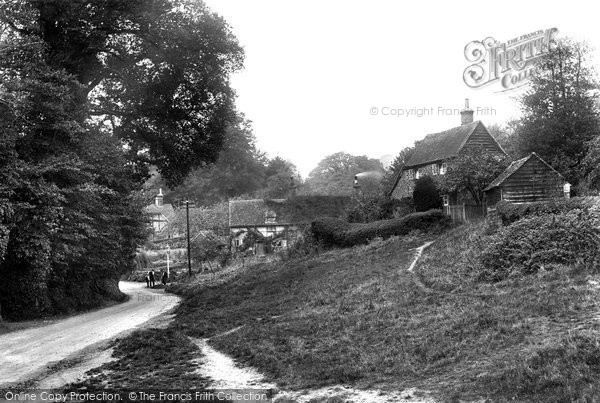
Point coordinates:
pixel 302 209
pixel 442 145
pixel 514 167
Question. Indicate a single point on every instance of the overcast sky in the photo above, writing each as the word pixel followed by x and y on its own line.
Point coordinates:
pixel 315 70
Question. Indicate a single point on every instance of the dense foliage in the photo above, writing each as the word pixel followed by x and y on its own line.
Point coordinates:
pixel 334 175
pixel 472 171
pixel 426 194
pixel 510 212
pixel 539 242
pixel 91 92
pixel 560 110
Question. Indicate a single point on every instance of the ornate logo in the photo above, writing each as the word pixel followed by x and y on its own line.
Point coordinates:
pixel 508 64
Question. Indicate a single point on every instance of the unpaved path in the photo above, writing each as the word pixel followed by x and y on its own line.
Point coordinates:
pixel 225 373
pixel 27 353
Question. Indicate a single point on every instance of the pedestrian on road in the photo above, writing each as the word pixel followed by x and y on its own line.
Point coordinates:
pixel 152 279
pixel 148 280
pixel 164 278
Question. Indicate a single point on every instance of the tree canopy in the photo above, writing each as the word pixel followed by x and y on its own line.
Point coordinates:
pixel 91 93
pixel 334 175
pixel 472 171
pixel 156 72
pixel 560 110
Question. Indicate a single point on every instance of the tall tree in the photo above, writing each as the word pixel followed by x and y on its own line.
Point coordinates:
pixel 280 175
pixel 560 111
pixel 395 169
pixel 334 175
pixel 156 71
pixel 472 171
pixel 239 170
pixel 91 92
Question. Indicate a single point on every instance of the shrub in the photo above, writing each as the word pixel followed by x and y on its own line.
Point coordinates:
pixel 510 212
pixel 305 245
pixel 329 231
pixel 426 195
pixel 539 242
pixel 334 232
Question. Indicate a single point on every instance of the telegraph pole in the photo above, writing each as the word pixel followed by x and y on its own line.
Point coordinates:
pixel 168 256
pixel 187 217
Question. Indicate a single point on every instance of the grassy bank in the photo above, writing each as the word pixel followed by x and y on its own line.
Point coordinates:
pixel 356 316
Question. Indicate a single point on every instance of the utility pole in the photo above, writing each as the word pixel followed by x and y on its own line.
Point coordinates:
pixel 168 256
pixel 187 217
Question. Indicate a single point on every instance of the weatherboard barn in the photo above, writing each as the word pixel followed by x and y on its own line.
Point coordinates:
pixel 528 179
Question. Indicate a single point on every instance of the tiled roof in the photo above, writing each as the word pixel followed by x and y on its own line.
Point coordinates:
pixel 440 146
pixel 514 167
pixel 302 209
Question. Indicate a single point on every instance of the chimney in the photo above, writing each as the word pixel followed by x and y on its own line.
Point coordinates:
pixel 158 199
pixel 466 115
pixel 292 190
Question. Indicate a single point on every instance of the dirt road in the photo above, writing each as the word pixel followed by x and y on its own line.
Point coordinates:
pixel 26 353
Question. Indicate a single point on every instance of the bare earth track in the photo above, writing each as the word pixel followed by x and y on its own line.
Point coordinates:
pixel 26 354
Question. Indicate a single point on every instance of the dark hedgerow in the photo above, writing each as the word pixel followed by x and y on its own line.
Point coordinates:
pixel 537 242
pixel 335 232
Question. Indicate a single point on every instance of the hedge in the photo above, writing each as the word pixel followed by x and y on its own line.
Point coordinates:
pixel 541 241
pixel 336 232
pixel 510 212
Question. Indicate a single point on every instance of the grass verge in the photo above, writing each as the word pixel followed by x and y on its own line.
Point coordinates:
pixel 357 316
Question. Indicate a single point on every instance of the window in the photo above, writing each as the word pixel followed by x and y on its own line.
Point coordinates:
pixel 418 174
pixel 237 242
pixel 445 200
pixel 435 169
pixel 443 168
pixel 270 217
pixel 271 230
pixel 411 174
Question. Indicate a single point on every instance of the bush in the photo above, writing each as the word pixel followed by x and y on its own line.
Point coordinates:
pixel 334 232
pixel 329 231
pixel 537 242
pixel 426 194
pixel 510 212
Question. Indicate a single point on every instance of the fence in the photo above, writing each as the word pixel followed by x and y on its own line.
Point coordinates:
pixel 465 212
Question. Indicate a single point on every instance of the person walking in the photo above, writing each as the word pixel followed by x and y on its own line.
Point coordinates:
pixel 164 278
pixel 152 279
pixel 148 280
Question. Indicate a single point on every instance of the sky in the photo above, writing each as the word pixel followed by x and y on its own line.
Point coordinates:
pixel 371 77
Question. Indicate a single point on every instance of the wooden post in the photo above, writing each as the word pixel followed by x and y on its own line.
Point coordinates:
pixel 187 217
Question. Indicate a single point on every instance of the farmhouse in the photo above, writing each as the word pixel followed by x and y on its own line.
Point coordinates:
pixel 160 216
pixel 526 180
pixel 431 153
pixel 277 223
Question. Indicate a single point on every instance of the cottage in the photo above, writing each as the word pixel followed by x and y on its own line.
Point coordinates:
pixel 279 221
pixel 527 180
pixel 431 154
pixel 160 216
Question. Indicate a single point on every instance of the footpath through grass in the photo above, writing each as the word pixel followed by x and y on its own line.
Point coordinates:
pixel 356 316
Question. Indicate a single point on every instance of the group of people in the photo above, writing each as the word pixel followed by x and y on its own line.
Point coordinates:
pixel 151 279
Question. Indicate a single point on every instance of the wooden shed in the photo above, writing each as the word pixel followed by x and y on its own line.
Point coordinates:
pixel 526 180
